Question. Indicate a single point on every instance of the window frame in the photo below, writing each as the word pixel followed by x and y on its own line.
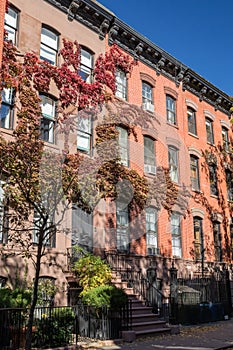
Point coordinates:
pixel 8 106
pixel 194 169
pixel 147 96
pixel 8 26
pixel 176 234
pixel 217 240
pixel 192 121
pixel 225 139
pixel 122 229
pixel 121 84
pixel 198 238
pixel 123 145
pixel 152 232
pixel 213 180
pixel 149 155
pixel 86 70
pixel 209 131
pixel 48 123
pixel 82 228
pixel 175 165
pixel 171 111
pixel 52 50
pixel 84 133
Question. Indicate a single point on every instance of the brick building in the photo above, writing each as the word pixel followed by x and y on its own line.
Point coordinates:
pixel 181 121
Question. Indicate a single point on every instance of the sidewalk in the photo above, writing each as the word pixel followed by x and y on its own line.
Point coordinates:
pixel 211 336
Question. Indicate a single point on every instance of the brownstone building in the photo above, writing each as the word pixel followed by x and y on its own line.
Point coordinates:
pixel 183 129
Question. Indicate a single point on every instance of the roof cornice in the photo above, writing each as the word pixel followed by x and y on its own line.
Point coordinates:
pixel 103 21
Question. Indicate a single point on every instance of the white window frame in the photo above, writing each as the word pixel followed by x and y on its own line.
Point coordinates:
pixel 121 84
pixel 173 160
pixel 151 231
pixel 86 65
pixel 6 109
pixel 225 139
pixel 149 155
pixel 209 131
pixel 171 109
pixel 123 145
pixel 11 24
pixel 122 228
pixel 49 45
pixel 192 126
pixel 84 133
pixel 176 234
pixel 48 121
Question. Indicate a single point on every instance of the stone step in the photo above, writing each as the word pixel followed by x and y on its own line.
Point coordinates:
pixel 144 326
pixel 143 317
pixel 140 310
pixel 153 331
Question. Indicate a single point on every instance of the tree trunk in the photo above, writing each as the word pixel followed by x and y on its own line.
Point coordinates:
pixel 28 343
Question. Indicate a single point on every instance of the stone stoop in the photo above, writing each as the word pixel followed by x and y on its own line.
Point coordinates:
pixel 144 322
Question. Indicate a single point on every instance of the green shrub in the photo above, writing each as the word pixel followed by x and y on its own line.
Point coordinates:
pixel 54 329
pixel 17 298
pixel 92 272
pixel 108 295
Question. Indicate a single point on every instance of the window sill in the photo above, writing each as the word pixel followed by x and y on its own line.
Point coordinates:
pixel 193 135
pixel 173 125
pixel 214 196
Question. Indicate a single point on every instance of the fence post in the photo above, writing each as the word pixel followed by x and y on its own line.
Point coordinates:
pixel 173 294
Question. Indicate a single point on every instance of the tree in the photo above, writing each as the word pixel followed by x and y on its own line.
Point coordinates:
pixel 39 185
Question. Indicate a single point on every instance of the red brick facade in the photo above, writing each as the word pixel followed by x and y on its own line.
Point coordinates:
pixel 189 93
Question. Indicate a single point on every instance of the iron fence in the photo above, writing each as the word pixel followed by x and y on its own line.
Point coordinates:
pixel 61 326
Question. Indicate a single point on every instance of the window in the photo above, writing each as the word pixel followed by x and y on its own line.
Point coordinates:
pixel 49 230
pixel 123 145
pixel 86 65
pixel 192 128
pixel 48 120
pixel 217 241
pixel 2 282
pixel 171 109
pixel 147 97
pixel 49 46
pixel 194 169
pixel 209 131
pixel 11 25
pixel 6 109
pixel 213 179
pixel 173 163
pixel 82 228
pixel 122 221
pixel 84 136
pixel 3 216
pixel 151 231
pixel 229 182
pixel 176 235
pixel 225 139
pixel 198 238
pixel 46 291
pixel 149 155
pixel 121 84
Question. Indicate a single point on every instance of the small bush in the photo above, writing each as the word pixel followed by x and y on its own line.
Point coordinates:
pixel 108 295
pixel 17 298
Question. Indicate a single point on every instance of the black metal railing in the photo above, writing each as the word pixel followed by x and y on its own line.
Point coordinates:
pixel 61 326
pixel 130 272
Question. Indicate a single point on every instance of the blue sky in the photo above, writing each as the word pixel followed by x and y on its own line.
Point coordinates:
pixel 198 33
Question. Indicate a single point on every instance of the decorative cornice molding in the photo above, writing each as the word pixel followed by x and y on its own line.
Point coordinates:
pixel 191 104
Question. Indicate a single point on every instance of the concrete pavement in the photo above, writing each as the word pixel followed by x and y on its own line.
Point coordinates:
pixel 210 336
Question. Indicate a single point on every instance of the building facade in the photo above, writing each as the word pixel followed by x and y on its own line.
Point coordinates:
pixel 181 144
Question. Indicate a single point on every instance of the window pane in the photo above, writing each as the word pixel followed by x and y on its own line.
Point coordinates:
pixel 121 84
pixel 11 24
pixel 171 109
pixel 123 144
pixel 48 107
pixel 209 131
pixel 49 46
pixel 86 66
pixel 173 163
pixel 194 173
pixel 192 122
pixel 147 93
pixel 84 134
